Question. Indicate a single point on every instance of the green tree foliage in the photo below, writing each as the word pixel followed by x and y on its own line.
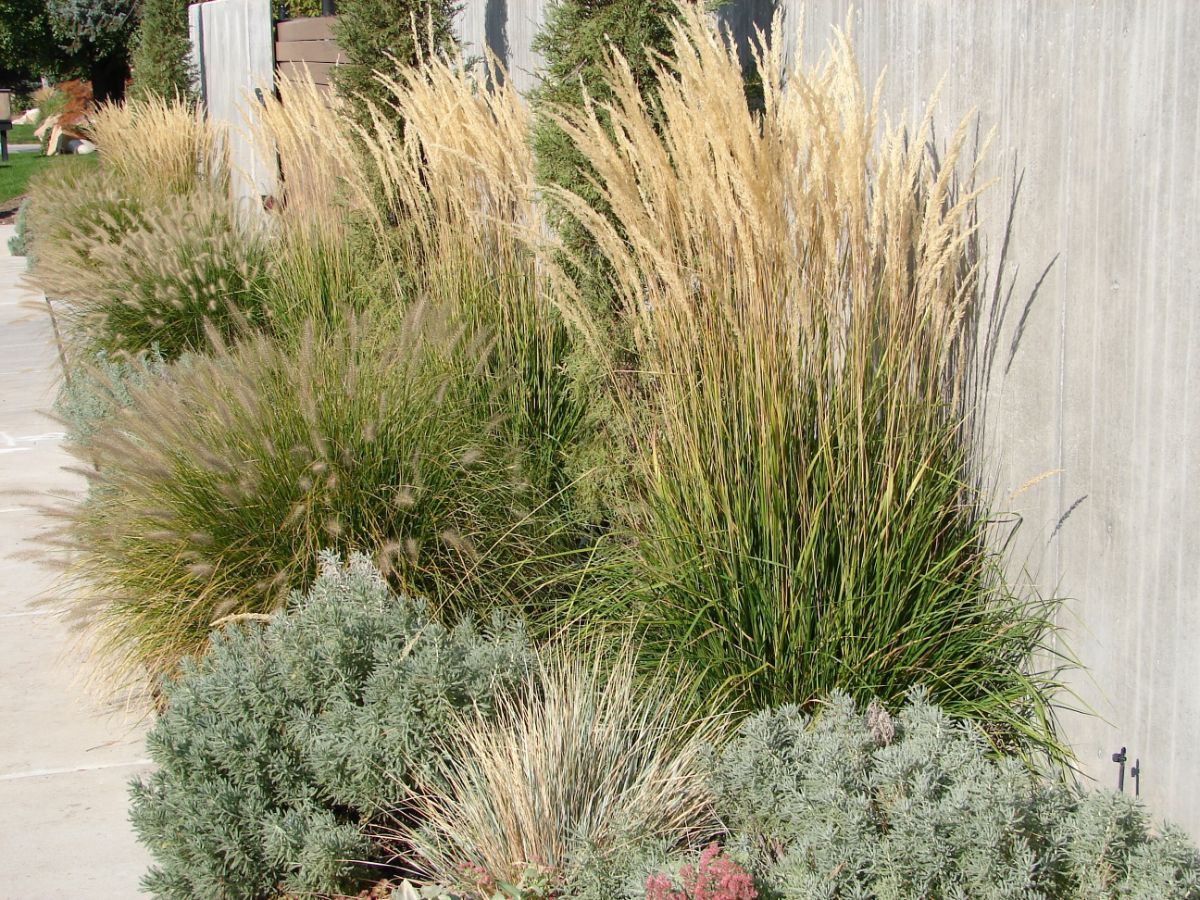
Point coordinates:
pixel 283 745
pixel 159 54
pixel 575 42
pixel 96 33
pixel 373 32
pixel 27 45
pixel 68 38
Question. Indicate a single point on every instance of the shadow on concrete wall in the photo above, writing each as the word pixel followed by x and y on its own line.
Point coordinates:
pixel 495 32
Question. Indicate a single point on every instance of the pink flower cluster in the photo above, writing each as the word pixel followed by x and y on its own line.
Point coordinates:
pixel 717 877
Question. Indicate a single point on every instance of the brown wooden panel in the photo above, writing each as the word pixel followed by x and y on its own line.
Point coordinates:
pixel 320 72
pixel 308 51
pixel 315 29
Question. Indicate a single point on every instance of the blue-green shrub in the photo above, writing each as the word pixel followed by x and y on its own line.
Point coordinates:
pixel 856 804
pixel 283 745
pixel 96 392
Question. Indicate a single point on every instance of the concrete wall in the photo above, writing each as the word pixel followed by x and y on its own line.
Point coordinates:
pixel 1097 106
pixel 233 43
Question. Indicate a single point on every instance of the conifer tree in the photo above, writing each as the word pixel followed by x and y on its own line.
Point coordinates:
pixel 371 32
pixel 160 50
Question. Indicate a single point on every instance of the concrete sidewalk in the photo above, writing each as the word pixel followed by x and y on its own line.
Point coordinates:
pixel 65 755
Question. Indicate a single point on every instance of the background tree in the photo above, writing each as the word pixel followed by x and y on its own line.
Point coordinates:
pixel 370 31
pixel 574 42
pixel 95 34
pixel 86 39
pixel 159 53
pixel 27 45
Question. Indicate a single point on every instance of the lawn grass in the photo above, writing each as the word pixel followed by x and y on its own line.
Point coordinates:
pixel 15 174
pixel 22 134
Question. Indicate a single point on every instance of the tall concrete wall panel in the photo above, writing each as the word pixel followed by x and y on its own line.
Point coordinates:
pixel 1096 107
pixel 233 45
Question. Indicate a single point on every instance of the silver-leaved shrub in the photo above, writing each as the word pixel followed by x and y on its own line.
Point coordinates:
pixel 286 744
pixel 856 804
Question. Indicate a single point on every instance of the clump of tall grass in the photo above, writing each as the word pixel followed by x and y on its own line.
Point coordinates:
pixel 133 275
pixel 801 289
pixel 158 147
pixel 218 485
pixel 585 758
pixel 455 202
pixel 325 257
pixel 69 213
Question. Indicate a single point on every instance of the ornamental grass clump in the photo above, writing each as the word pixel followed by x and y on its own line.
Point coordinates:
pixel 585 758
pixel 70 213
pixel 282 752
pixel 457 207
pixel 325 257
pixel 801 288
pixel 182 266
pixel 157 146
pixel 218 485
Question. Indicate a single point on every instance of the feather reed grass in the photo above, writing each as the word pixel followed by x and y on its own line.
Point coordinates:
pixel 586 755
pixel 159 147
pixel 456 203
pixel 799 284
pixel 326 259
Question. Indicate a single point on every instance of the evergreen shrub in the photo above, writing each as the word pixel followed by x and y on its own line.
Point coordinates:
pixel 854 803
pixel 574 42
pixel 373 33
pixel 159 51
pixel 285 745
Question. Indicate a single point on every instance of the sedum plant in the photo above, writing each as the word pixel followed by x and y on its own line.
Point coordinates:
pixel 282 749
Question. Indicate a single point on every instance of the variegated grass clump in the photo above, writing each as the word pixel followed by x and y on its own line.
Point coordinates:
pixel 801 289
pixel 158 147
pixel 219 484
pixel 585 758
